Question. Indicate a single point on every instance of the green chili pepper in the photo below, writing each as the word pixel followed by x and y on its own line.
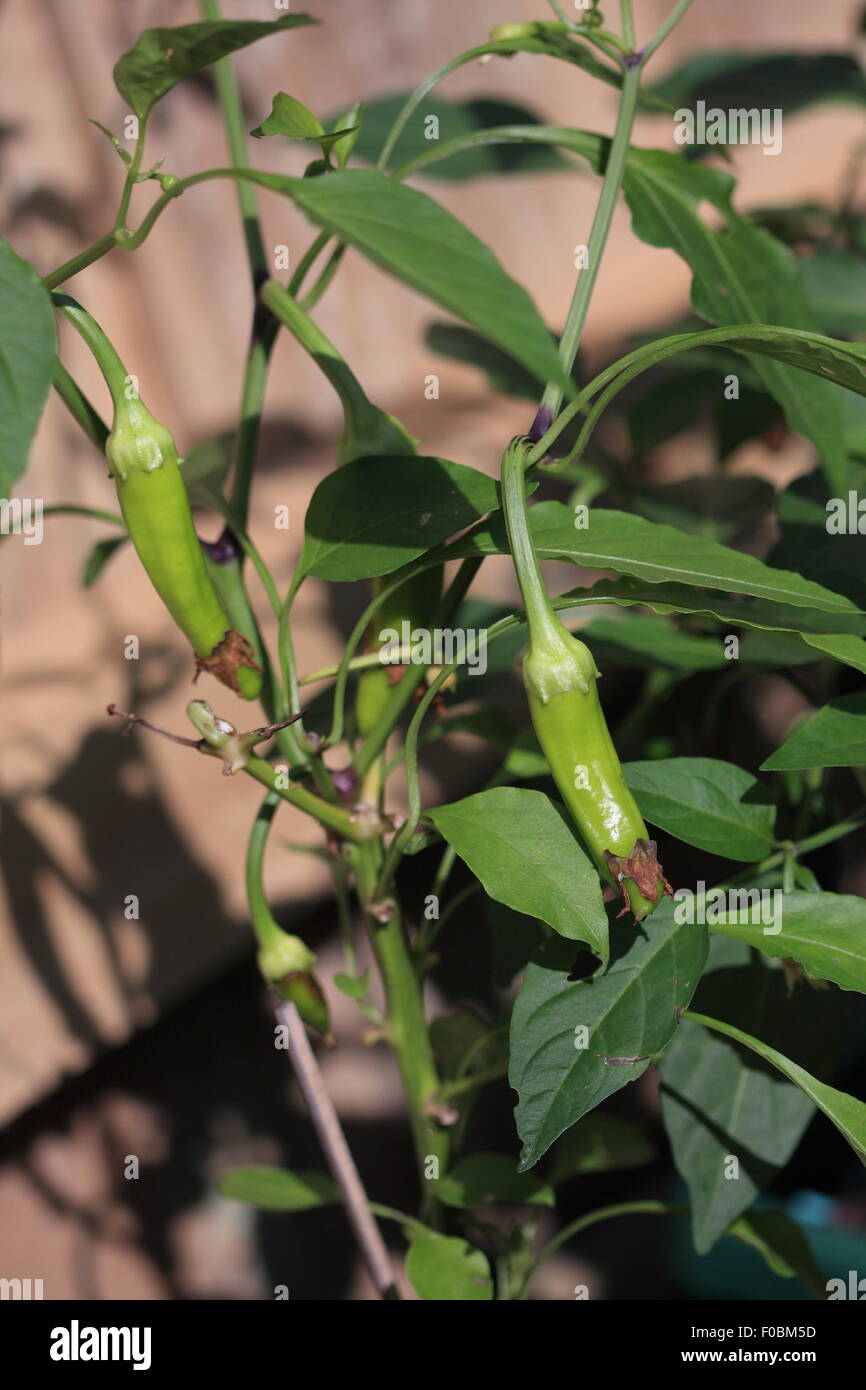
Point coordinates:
pixel 559 676
pixel 155 506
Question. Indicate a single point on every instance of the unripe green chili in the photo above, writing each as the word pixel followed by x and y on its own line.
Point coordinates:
pixel 153 499
pixel 559 676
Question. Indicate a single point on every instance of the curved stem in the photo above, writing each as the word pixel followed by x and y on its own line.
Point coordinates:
pixel 266 928
pixel 80 408
pixel 613 177
pixel 542 620
pixel 104 351
pixel 80 262
pixel 645 1208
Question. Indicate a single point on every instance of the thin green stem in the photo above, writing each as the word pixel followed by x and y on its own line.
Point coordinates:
pixel 329 270
pixel 131 176
pixel 407 1026
pixel 266 928
pixel 627 22
pixel 453 1089
pixel 80 261
pixel 93 513
pixel 314 342
pixel 80 408
pixel 543 623
pixel 236 135
pixel 332 817
pixel 592 1218
pixel 311 254
pixel 104 351
pixel 610 188
pixel 664 29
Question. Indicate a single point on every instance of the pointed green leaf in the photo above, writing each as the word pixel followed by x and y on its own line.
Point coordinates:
pixel 520 845
pixel 707 803
pixel 783 1244
pixel 846 1112
pixel 629 1011
pixel 719 1103
pixel 834 737
pixel 277 1189
pixel 373 515
pixel 160 58
pixel 825 932
pixel 599 1144
pixel 490 1177
pixel 413 238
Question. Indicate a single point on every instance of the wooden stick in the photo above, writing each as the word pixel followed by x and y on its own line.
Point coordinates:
pixel 337 1153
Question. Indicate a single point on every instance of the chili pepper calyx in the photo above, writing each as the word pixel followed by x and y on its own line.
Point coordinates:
pixel 642 867
pixel 556 663
pixel 137 443
pixel 283 955
pixel 229 660
pixel 303 990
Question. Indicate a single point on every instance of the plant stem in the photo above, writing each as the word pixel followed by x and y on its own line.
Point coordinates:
pixel 332 817
pixel 80 408
pixel 104 351
pixel 664 29
pixel 613 177
pixel 407 1027
pixel 263 332
pixel 646 1208
pixel 80 262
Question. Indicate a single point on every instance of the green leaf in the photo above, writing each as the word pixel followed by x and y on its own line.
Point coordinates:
pixel 355 986
pixel 599 1144
pixel 515 937
pixel 825 932
pixel 834 737
pixel 206 467
pixel 295 121
pixel 792 81
pixel 456 1035
pixel 519 844
pixel 630 1011
pixel 374 514
pixel 490 1177
pixel 413 238
pixel 291 118
pixel 456 120
pixel 719 1103
pixel 444 1269
pixel 98 558
pixel 782 618
pixel 160 58
pixel 658 554
pixel 846 1112
pixel 741 276
pixel 637 639
pixel 836 285
pixel 711 804
pixel 782 1243
pixel 28 350
pixel 503 373
pixel 276 1189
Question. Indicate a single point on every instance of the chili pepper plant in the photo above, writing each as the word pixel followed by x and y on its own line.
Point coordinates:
pixel 676 911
